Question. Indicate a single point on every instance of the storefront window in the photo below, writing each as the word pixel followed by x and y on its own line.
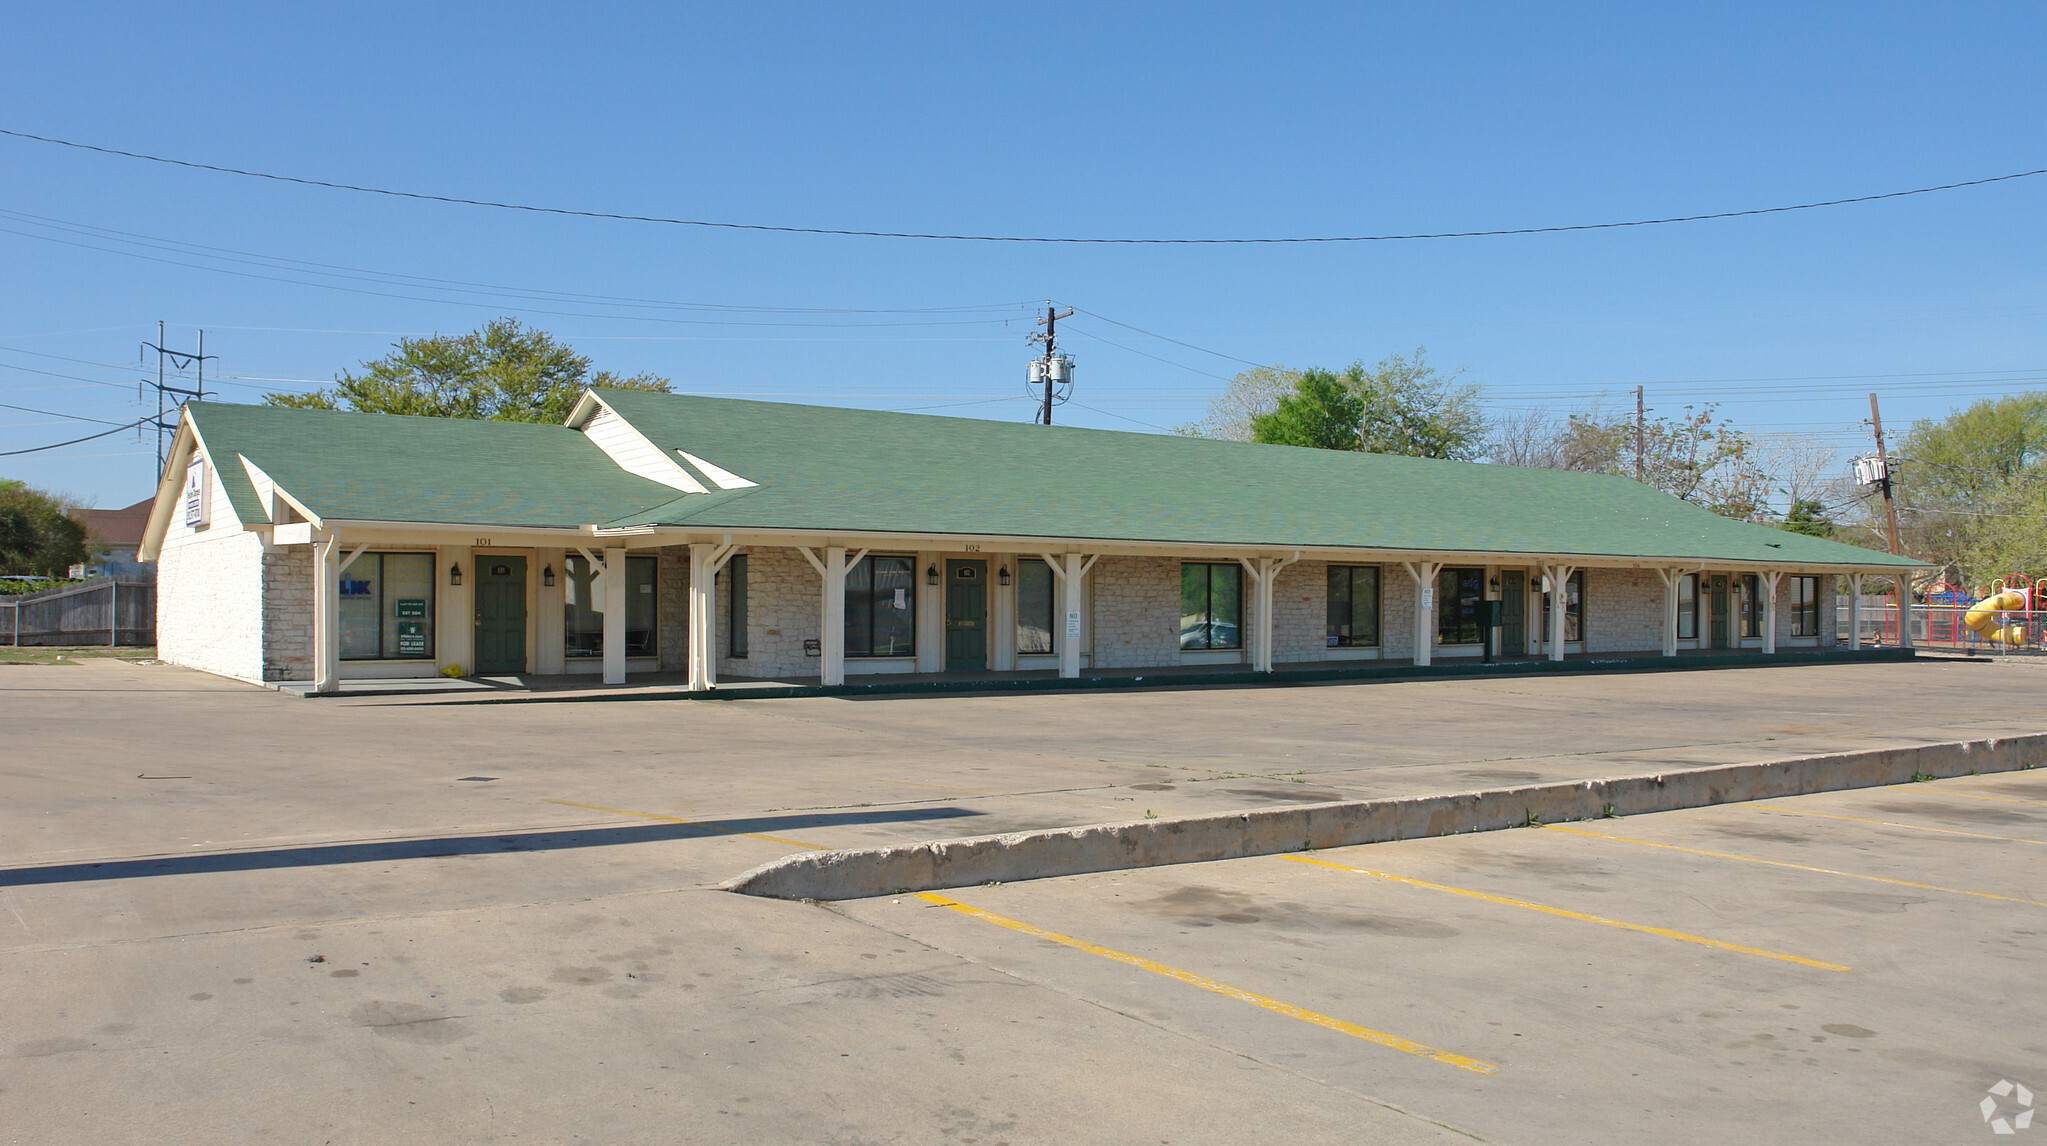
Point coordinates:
pixel 735 584
pixel 1033 607
pixel 1805 606
pixel 1353 614
pixel 583 607
pixel 1458 592
pixel 881 607
pixel 387 607
pixel 1745 588
pixel 1211 606
pixel 1688 607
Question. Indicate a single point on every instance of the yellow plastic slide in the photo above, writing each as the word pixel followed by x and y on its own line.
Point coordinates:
pixel 1983 618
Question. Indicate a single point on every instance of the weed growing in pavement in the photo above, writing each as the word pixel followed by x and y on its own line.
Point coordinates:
pixel 1150 815
pixel 1923 777
pixel 1532 822
pixel 1610 813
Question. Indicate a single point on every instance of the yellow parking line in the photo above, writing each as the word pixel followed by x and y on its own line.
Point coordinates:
pixel 706 827
pixel 1796 866
pixel 1578 915
pixel 1395 1042
pixel 1890 824
pixel 1964 795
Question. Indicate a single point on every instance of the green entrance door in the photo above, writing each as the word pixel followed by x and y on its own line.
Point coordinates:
pixel 1719 607
pixel 500 614
pixel 1513 612
pixel 966 616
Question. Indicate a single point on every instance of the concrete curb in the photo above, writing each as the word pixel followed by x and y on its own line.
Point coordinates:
pixel 971 860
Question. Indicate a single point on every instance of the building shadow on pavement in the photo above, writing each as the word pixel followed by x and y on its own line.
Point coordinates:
pixel 323 855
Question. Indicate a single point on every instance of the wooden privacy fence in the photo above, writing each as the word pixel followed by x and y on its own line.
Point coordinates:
pixel 119 610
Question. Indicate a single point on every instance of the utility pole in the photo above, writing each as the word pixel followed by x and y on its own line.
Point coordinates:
pixel 1901 580
pixel 1053 369
pixel 166 405
pixel 1639 468
pixel 1883 461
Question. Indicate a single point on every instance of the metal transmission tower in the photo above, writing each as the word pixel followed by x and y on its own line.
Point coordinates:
pixel 1052 370
pixel 166 404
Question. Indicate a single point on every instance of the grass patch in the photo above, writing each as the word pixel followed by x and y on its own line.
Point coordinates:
pixel 70 654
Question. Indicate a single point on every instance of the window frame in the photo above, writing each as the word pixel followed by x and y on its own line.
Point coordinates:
pixel 1748 588
pixel 1474 574
pixel 868 563
pixel 1331 638
pixel 1688 610
pixel 633 561
pixel 1051 608
pixel 1208 622
pixel 432 606
pixel 735 607
pixel 1805 607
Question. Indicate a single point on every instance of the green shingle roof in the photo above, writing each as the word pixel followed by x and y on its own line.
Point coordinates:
pixel 390 467
pixel 829 469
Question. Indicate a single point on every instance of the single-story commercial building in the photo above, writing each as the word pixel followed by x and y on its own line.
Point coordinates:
pixel 716 537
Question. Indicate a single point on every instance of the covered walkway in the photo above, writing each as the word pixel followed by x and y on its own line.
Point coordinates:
pixel 529 686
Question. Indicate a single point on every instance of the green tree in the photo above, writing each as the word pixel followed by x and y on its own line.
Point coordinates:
pixel 1969 488
pixel 1322 412
pixel 503 372
pixel 1808 517
pixel 1407 407
pixel 1412 408
pixel 39 534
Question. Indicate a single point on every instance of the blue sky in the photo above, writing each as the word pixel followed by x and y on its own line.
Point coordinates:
pixel 1173 121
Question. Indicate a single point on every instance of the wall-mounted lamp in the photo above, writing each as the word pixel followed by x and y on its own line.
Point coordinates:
pixel 547 575
pixel 1003 574
pixel 1496 586
pixel 931 575
pixel 455 573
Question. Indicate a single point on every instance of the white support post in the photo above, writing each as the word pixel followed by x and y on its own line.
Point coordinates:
pixel 1263 575
pixel 1903 581
pixel 705 561
pixel 703 668
pixel 1670 579
pixel 1854 610
pixel 614 616
pixel 1767 582
pixel 1071 573
pixel 326 616
pixel 831 643
pixel 1559 577
pixel 1424 575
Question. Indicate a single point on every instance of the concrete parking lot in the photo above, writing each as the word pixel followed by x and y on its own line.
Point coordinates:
pixel 231 915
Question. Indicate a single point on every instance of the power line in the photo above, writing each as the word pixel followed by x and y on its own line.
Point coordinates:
pixel 1164 338
pixel 835 231
pixel 74 441
pixel 55 414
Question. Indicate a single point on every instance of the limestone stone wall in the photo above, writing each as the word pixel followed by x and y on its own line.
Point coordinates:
pixel 1136 612
pixel 209 601
pixel 1396 589
pixel 783 609
pixel 672 593
pixel 1623 611
pixel 288 613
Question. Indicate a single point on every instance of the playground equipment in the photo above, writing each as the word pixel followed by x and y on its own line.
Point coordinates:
pixel 1990 618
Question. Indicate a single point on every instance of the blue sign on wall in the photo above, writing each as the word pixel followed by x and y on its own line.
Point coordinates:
pixel 354 588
